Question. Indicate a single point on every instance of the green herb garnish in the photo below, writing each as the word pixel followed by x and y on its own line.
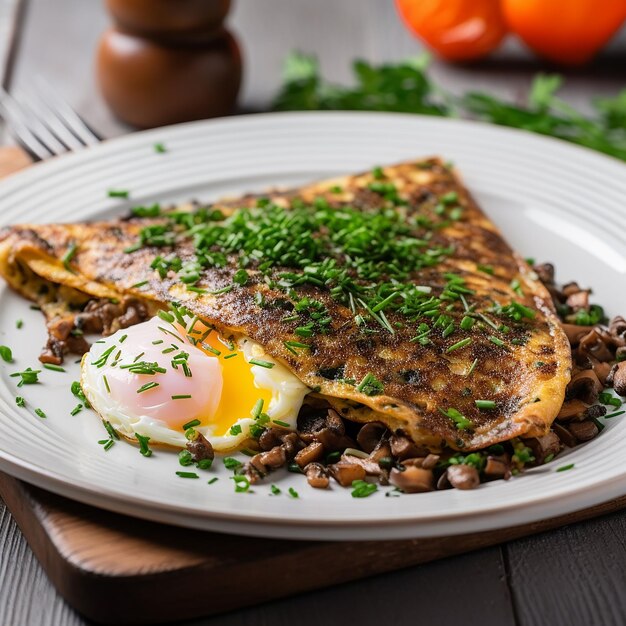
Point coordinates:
pixel 53 368
pixel 143 444
pixel 363 489
pixel 118 193
pixel 370 385
pixel 187 474
pixel 28 377
pixel 564 468
pixel 462 423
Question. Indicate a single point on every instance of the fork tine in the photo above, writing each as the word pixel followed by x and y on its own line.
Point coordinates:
pixel 50 119
pixel 22 134
pixel 32 121
pixel 65 112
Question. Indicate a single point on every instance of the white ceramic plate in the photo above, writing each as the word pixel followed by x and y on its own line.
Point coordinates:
pixel 553 202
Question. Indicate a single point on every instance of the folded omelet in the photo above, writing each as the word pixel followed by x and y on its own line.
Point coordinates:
pixel 388 293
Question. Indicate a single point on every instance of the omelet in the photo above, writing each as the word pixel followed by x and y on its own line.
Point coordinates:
pixel 389 294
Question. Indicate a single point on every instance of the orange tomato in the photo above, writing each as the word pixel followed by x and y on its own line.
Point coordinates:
pixel 566 31
pixel 458 30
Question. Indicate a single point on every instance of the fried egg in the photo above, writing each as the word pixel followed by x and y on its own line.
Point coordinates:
pixel 155 378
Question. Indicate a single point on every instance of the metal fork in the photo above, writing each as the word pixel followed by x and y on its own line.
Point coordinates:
pixel 43 123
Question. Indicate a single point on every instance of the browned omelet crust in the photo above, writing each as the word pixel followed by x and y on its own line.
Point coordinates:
pixel 526 381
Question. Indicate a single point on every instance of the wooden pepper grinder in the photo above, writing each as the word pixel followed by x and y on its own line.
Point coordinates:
pixel 168 61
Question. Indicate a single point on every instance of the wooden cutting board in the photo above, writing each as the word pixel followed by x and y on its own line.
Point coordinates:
pixel 94 557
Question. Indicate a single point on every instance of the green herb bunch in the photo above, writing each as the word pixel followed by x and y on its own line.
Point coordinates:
pixel 405 87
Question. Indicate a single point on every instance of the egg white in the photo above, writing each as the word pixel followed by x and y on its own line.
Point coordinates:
pixel 287 396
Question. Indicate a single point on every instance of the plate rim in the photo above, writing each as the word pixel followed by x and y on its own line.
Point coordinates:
pixel 406 524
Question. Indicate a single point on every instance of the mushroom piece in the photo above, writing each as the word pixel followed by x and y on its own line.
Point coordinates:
pixel 199 447
pixel 578 300
pixel 274 458
pixel 543 446
pixel 602 370
pixel 381 451
pixel 583 431
pixel 564 435
pixel 413 479
pixel 327 428
pixel 572 409
pixel 316 475
pixel 497 467
pixel 291 444
pixel 575 333
pixel 312 453
pixel 371 467
pixel 585 386
pixel 430 461
pixel 346 473
pixel 463 476
pixel 370 435
pixel 270 437
pixel 403 448
pixel 594 345
pixel 617 326
pixel 595 411
pixel 619 378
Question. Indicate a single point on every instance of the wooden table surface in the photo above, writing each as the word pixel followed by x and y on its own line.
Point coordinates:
pixel 575 576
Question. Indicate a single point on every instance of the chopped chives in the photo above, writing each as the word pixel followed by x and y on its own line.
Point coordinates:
pixel 118 193
pixel 213 480
pixel 159 148
pixel 77 409
pixel 143 444
pixel 166 317
pixel 66 259
pixel 40 413
pixel 54 368
pixel 211 349
pixel 182 396
pixel 235 430
pixel 157 342
pixel 460 344
pixel 191 424
pixel 231 463
pixel 147 386
pixel 261 363
pixel 20 401
pixel 462 423
pixel 497 342
pixel 610 415
pixel 19 324
pixel 112 432
pixel 274 490
pixel 257 409
pixel 564 468
pixel 6 354
pixel 242 484
pixel 467 322
pixel 230 356
pixel 28 377
pixel 108 444
pixel 485 404
pixel 187 474
pixel 293 493
pixel 281 423
pixel 219 292
pixel 370 385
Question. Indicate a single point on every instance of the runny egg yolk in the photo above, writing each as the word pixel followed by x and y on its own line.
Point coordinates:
pixel 240 393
